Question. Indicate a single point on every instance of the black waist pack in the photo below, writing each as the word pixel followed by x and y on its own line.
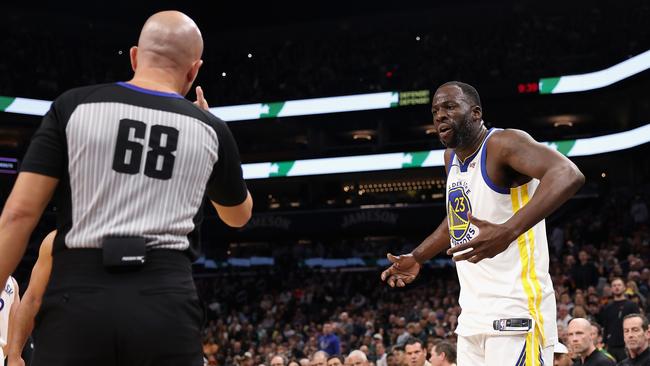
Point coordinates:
pixel 124 251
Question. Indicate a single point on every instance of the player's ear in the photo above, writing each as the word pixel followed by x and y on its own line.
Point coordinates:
pixel 477 113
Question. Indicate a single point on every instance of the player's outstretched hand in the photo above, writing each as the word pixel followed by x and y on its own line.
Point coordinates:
pixel 492 239
pixel 15 361
pixel 200 99
pixel 403 270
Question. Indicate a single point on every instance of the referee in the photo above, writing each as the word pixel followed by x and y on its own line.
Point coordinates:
pixel 129 164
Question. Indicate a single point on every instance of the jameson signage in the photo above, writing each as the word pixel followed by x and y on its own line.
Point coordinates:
pixel 370 216
pixel 268 221
pixel 331 223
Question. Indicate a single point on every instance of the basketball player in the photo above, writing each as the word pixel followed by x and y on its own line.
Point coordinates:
pixel 501 184
pixel 23 322
pixel 131 163
pixel 9 301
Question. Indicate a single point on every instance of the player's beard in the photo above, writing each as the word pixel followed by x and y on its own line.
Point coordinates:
pixel 461 133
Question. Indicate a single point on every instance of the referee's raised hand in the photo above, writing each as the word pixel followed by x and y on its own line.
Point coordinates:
pixel 403 270
pixel 200 99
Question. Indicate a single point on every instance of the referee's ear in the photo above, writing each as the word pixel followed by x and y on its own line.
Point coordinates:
pixel 133 54
pixel 194 71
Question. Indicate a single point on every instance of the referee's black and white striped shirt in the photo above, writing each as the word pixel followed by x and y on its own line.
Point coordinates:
pixel 133 162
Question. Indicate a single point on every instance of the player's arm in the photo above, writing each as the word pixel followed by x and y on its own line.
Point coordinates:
pixel 12 312
pixel 438 241
pixel 406 267
pixel 42 166
pixel 21 213
pixel 559 179
pixel 433 244
pixel 23 321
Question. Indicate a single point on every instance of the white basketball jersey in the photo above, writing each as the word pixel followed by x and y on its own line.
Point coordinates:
pixel 516 282
pixel 6 299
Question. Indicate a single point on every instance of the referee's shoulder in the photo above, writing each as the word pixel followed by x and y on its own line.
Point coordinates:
pixel 210 118
pixel 79 94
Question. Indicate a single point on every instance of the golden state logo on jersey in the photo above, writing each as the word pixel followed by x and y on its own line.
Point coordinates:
pixel 458 206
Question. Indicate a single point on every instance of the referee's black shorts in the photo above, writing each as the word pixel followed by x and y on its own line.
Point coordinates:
pixel 90 316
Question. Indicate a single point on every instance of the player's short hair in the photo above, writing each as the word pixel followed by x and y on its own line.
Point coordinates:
pixel 446 347
pixel 644 319
pixel 468 91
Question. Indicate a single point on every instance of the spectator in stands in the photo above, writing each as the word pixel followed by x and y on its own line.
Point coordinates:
pixel 579 312
pixel 402 332
pixel 329 341
pixel 579 333
pixel 356 358
pixel 345 325
pixel 443 354
pixel 416 353
pixel 593 308
pixel 611 317
pixel 400 356
pixel 563 316
pixel 637 335
pixel 565 299
pixel 557 240
pixel 597 337
pixel 335 360
pixel 244 360
pixel 584 272
pixel 562 334
pixel 318 359
pixel 279 360
pixel 392 360
pixel 560 355
pixel 639 211
pixel 379 350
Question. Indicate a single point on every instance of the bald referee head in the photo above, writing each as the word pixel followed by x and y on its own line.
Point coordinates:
pixel 168 54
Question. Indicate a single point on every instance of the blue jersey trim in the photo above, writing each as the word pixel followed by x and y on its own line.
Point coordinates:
pixel 464 165
pixel 522 356
pixel 484 173
pixel 149 91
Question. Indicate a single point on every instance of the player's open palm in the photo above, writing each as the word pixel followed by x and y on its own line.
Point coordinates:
pixel 403 270
pixel 491 240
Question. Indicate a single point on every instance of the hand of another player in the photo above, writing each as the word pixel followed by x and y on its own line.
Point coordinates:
pixel 492 239
pixel 200 99
pixel 15 361
pixel 403 270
